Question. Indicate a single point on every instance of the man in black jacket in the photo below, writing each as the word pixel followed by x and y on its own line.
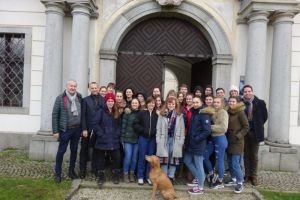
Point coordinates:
pixel 90 105
pixel 256 112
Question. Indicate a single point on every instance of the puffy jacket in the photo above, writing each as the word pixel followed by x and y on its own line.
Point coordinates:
pixel 129 135
pixel 107 130
pixel 237 128
pixel 199 130
pixel 60 114
pixel 145 125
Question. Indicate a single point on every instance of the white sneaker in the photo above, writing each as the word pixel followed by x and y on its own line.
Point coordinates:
pixel 194 183
pixel 141 181
pixel 149 181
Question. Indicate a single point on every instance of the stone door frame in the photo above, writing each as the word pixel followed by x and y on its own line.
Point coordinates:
pixel 215 34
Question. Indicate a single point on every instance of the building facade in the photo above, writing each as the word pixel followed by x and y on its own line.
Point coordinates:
pixel 147 43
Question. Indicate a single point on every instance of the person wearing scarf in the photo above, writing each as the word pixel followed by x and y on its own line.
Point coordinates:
pixel 66 120
pixel 257 115
pixel 170 136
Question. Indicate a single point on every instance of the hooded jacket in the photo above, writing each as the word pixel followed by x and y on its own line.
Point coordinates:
pixel 237 129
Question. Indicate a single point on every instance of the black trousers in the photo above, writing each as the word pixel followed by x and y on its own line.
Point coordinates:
pixel 84 154
pixel 114 154
pixel 251 155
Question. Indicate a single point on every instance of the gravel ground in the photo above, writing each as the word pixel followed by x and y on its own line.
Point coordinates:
pixel 123 194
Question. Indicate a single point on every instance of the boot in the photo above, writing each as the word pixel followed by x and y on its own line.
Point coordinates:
pixel 116 176
pixel 101 178
pixel 131 176
pixel 72 174
pixel 126 177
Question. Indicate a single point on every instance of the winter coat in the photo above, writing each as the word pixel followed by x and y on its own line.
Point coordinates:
pixel 260 116
pixel 237 128
pixel 199 130
pixel 220 120
pixel 107 130
pixel 129 135
pixel 89 110
pixel 60 113
pixel 145 125
pixel 162 137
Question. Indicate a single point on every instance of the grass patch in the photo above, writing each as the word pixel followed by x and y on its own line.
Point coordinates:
pixel 30 189
pixel 271 195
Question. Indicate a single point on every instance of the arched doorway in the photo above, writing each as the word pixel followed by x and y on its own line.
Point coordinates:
pixel 160 42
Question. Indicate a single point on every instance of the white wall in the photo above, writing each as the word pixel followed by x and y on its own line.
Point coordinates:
pixel 295 84
pixel 29 13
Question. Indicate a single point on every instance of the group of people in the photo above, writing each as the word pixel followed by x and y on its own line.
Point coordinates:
pixel 197 129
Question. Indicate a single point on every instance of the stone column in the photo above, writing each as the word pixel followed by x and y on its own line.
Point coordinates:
pixel 280 85
pixel 53 62
pixel 256 51
pixel 108 65
pixel 78 68
pixel 221 71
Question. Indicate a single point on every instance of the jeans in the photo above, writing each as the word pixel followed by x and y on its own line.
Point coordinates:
pixel 235 167
pixel 115 155
pixel 195 164
pixel 219 145
pixel 70 135
pixel 130 157
pixel 167 168
pixel 146 147
pixel 251 155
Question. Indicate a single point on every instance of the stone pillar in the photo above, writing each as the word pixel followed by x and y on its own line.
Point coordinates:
pixel 256 51
pixel 108 65
pixel 221 71
pixel 280 85
pixel 53 62
pixel 78 68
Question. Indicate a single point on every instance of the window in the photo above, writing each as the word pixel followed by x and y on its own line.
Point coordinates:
pixel 15 45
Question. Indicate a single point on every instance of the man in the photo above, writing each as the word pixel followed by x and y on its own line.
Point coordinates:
pixel 184 90
pixel 90 105
pixel 256 112
pixel 220 92
pixel 155 92
pixel 66 119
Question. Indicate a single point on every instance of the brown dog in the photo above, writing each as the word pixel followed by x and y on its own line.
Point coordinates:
pixel 160 180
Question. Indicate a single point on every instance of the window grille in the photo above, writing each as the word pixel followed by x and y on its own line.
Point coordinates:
pixel 11 69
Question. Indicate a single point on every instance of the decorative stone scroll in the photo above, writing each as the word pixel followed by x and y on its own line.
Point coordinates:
pixel 169 2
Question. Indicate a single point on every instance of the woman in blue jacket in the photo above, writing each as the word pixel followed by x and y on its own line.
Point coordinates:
pixel 199 130
pixel 107 130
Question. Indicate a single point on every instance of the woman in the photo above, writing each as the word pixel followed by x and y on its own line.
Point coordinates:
pixel 102 91
pixel 145 126
pixel 120 102
pixel 199 130
pixel 158 104
pixel 128 94
pixel 198 91
pixel 107 130
pixel 180 98
pixel 170 137
pixel 209 100
pixel 219 142
pixel 130 141
pixel 237 129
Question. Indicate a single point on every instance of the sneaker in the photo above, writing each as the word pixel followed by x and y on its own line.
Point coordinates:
pixel 211 179
pixel 149 182
pixel 238 188
pixel 217 185
pixel 141 181
pixel 195 191
pixel 194 183
pixel 57 179
pixel 230 183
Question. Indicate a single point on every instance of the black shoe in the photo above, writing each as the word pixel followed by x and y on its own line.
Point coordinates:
pixel 82 175
pixel 72 175
pixel 57 179
pixel 218 185
pixel 101 178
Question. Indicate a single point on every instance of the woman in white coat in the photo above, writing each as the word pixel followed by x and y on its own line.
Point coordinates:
pixel 170 136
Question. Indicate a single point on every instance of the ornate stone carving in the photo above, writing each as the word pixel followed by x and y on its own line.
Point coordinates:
pixel 169 2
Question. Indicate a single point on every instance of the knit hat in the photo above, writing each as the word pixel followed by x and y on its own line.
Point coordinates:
pixel 233 87
pixel 109 96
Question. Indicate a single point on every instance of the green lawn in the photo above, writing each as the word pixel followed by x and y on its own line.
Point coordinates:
pixel 271 195
pixel 29 188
